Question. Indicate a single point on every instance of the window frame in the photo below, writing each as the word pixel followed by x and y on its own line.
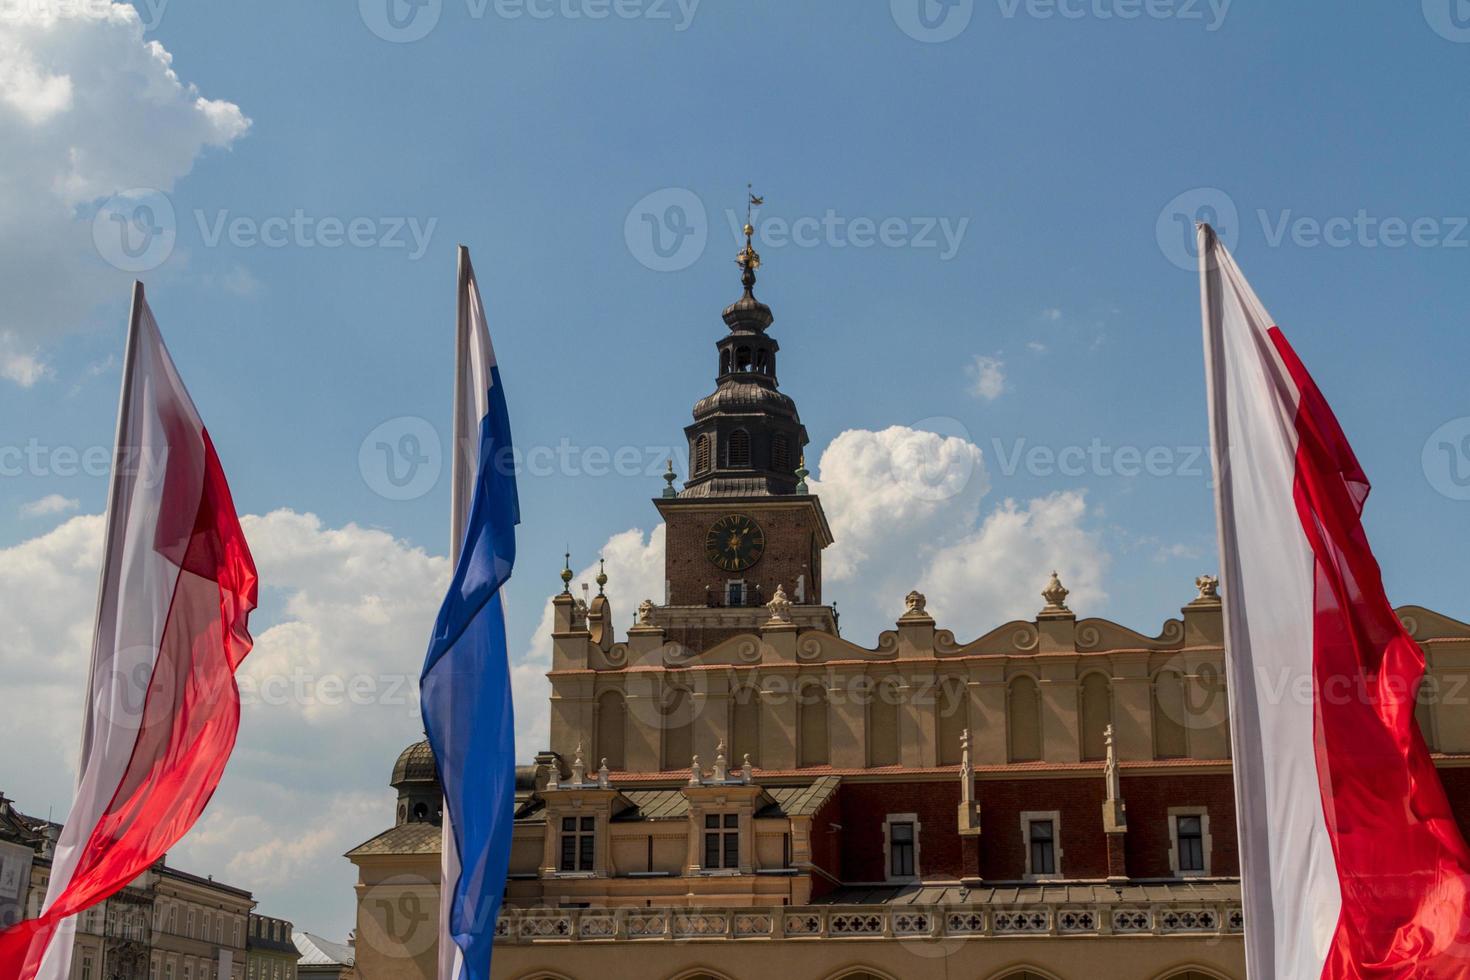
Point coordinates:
pixel 1206 841
pixel 1054 817
pixel 723 835
pixel 889 822
pixel 581 837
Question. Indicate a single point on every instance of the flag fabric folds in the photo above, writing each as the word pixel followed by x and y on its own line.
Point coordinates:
pixel 177 588
pixel 465 687
pixel 1352 863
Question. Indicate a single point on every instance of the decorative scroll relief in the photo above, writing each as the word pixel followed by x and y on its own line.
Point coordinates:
pixel 815 645
pixel 1093 634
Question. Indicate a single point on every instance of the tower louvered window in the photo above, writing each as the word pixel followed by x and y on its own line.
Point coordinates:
pixel 701 454
pixel 781 454
pixel 739 452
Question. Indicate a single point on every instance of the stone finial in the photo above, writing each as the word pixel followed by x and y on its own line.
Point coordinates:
pixel 1209 588
pixel 601 576
pixel 696 775
pixel 669 479
pixel 745 769
pixel 722 771
pixel 566 574
pixel 1055 595
pixel 801 474
pixel 645 612
pixel 579 768
pixel 779 606
pixel 604 778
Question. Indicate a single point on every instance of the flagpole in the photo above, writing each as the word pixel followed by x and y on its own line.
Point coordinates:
pixel 114 491
pixel 458 509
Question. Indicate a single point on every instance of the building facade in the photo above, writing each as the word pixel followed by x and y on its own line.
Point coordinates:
pixel 733 788
pixel 270 951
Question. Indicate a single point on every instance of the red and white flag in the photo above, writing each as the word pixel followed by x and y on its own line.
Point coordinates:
pixel 178 585
pixel 1351 862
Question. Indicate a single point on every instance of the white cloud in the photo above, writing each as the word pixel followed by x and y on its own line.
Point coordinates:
pixel 20 362
pixel 88 108
pixel 896 531
pixel 53 503
pixel 997 571
pixel 1036 347
pixel 891 490
pixel 987 377
pixel 1051 313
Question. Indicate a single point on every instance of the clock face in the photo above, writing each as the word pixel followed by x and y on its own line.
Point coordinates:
pixel 734 543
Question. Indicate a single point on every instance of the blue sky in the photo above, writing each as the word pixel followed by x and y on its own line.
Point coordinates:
pixel 1061 152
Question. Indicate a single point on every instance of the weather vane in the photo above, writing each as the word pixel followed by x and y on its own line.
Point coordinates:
pixel 749 259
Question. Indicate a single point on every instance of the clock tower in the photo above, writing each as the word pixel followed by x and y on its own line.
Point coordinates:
pixel 744 525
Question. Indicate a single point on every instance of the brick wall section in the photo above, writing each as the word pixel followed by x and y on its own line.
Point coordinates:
pixel 1080 837
pixel 999 853
pixel 788 532
pixel 864 807
pixel 1149 799
pixel 827 845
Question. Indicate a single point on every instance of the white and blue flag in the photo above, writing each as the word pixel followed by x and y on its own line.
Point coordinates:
pixel 465 687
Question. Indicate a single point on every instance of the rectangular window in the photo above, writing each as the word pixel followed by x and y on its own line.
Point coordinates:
pixel 1043 847
pixel 1191 844
pixel 735 594
pixel 87 966
pixel 722 841
pixel 901 850
pixel 578 843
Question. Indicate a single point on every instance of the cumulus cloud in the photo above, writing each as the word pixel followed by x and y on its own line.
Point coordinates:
pixel 996 572
pixel 907 511
pixel 883 488
pixel 987 377
pixel 89 108
pixel 52 503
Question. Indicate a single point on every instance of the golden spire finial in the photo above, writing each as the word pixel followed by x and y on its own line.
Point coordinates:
pixel 749 259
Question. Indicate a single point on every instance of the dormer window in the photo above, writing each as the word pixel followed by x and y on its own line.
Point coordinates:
pixel 578 844
pixel 722 841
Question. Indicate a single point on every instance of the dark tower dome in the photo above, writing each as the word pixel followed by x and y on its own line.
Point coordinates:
pixel 747 438
pixel 420 798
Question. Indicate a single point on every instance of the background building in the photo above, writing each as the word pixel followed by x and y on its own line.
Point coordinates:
pixel 167 924
pixel 322 958
pixel 270 952
pixel 734 788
